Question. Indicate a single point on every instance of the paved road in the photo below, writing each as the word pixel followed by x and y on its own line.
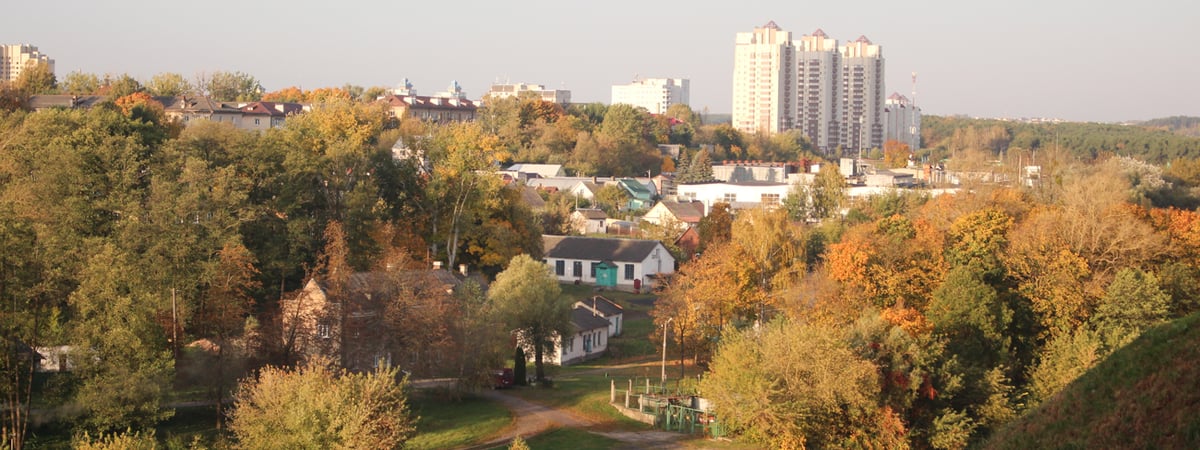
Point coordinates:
pixel 532 419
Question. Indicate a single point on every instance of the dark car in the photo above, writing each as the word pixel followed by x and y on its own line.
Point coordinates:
pixel 502 378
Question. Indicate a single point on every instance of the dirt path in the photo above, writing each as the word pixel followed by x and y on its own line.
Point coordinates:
pixel 533 419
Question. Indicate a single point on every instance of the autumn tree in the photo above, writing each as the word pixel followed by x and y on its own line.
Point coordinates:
pixel 794 385
pixel 528 299
pixel 896 154
pixel 461 186
pixel 314 407
pixel 223 310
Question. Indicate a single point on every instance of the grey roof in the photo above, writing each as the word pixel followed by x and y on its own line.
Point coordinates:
pixel 688 212
pixel 542 170
pixel 583 320
pixel 592 214
pixel 604 305
pixel 531 197
pixel 38 102
pixel 598 249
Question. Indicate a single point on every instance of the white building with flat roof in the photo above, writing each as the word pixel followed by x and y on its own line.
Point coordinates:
pixel 654 94
pixel 15 58
pixel 507 90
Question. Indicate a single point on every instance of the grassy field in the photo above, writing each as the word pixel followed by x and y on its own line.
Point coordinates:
pixel 188 425
pixel 446 424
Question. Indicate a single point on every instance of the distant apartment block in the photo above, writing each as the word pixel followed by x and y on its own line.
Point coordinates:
pixel 501 91
pixel 449 106
pixel 763 80
pixel 654 94
pixel 862 95
pixel 15 58
pixel 832 93
pixel 819 89
pixel 902 121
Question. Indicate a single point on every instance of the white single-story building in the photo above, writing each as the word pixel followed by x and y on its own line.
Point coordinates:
pixel 743 195
pixel 626 263
pixel 589 340
pixel 588 221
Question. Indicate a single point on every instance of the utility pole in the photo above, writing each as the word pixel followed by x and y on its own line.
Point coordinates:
pixel 664 352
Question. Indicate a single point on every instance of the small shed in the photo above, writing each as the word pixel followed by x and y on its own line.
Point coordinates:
pixel 606 274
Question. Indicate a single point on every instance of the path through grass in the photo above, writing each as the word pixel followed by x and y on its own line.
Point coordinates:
pixel 447 424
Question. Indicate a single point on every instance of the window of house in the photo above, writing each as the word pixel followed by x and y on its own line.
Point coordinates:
pixel 770 199
pixel 323 330
pixel 594 269
pixel 560 267
pixel 587 342
pixel 729 198
pixel 629 271
pixel 577 269
pixel 256 121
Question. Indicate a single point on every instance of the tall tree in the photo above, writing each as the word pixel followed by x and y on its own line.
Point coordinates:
pixel 36 80
pixel 79 83
pixel 120 352
pixel 168 84
pixel 231 86
pixel 527 296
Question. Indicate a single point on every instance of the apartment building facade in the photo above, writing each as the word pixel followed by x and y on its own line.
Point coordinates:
pixel 653 94
pixel 832 93
pixel 15 58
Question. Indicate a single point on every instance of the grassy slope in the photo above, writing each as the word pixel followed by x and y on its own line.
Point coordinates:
pixel 1145 395
pixel 447 424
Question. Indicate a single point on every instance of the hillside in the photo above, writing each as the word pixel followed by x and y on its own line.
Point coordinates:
pixel 1181 125
pixel 1143 396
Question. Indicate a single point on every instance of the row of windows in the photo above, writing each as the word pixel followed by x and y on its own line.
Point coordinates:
pixel 560 267
pixel 590 340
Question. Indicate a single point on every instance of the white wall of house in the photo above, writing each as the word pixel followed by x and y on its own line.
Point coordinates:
pixel 737 195
pixel 580 346
pixel 658 261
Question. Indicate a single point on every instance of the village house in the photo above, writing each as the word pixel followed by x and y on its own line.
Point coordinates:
pixel 603 307
pixel 684 214
pixel 588 340
pixel 613 263
pixel 588 221
pixel 346 324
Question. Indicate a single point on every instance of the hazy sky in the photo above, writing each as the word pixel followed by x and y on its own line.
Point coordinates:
pixel 1072 59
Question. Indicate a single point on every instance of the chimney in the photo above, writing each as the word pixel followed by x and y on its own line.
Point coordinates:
pixel 462 268
pixel 437 265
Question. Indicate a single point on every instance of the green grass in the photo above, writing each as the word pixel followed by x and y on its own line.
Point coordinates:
pixel 571 438
pixel 446 424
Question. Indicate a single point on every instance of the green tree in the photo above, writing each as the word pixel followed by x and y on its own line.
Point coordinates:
pixel 168 84
pixel 698 170
pixel 231 86
pixel 973 318
pixel 612 199
pixel 79 83
pixel 716 226
pixel 120 86
pixel 120 352
pixel 37 79
pixel 528 299
pixel 822 199
pixel 315 407
pixel 1132 303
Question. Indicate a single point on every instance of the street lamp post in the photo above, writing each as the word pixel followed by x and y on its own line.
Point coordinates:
pixel 664 355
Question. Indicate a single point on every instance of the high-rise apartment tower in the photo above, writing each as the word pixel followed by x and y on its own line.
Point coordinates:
pixel 15 58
